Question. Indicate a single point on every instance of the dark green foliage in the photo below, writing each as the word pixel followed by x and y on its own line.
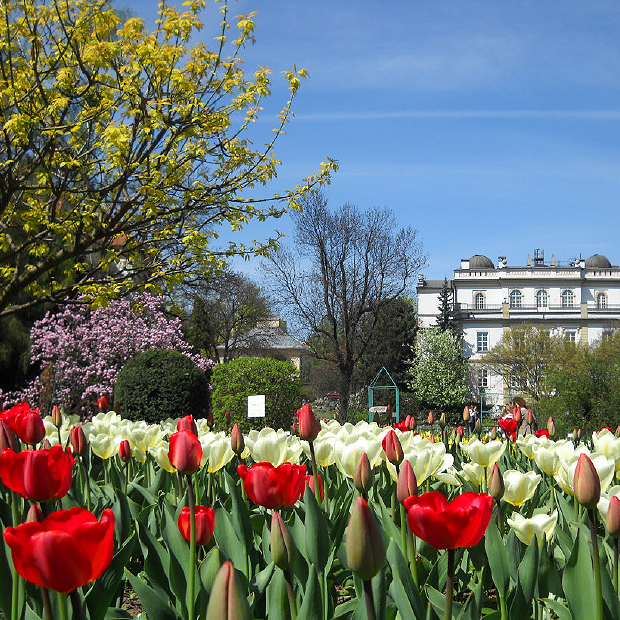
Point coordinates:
pixel 445 318
pixel 159 384
pixel 14 350
pixel 234 381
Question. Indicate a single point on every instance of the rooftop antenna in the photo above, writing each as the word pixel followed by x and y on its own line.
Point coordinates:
pixel 539 257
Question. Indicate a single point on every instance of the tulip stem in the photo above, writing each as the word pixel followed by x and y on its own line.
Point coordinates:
pixel 403 530
pixel 449 586
pixel 291 594
pixel 616 565
pixel 412 556
pixel 370 601
pixel 76 605
pixel 47 606
pixel 597 564
pixel 191 578
pixel 62 605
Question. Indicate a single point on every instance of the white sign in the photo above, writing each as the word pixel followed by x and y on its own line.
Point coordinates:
pixel 256 406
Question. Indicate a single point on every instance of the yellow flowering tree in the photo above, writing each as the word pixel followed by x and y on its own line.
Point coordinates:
pixel 123 150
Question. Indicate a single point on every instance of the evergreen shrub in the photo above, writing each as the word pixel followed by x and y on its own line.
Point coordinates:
pixel 159 384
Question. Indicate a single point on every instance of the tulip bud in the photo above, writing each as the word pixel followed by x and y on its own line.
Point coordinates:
pixel 306 422
pixel 517 415
pixel 551 427
pixel 103 403
pixel 459 431
pixel 365 546
pixel 431 418
pixel 393 448
pixel 210 419
pixel 478 427
pixel 78 440
pixel 187 423
pixel 529 417
pixel 432 439
pixel 227 600
pixel 56 416
pixel 407 484
pixel 363 476
pixel 617 433
pixel 310 483
pixel 496 483
pixel 442 421
pixel 46 445
pixel 294 430
pixel 466 414
pixel 410 422
pixel 586 483
pixel 237 443
pixel 612 521
pixel 124 451
pixel 493 433
pixel 7 439
pixel 282 546
pixel 35 514
pixel 578 434
pixel 227 418
pixel 185 452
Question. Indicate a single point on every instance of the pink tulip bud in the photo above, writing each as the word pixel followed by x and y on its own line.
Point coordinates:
pixel 517 415
pixel 612 521
pixel 35 514
pixel 410 422
pixel 227 600
pixel 393 448
pixel 466 414
pixel 78 440
pixel 282 546
pixel 7 439
pixel 459 431
pixel 364 543
pixel 493 433
pixel 56 416
pixel 432 438
pixel 310 483
pixel 237 443
pixel 551 427
pixel 529 417
pixel 407 484
pixel 431 418
pixel 617 433
pixel 363 476
pixel 496 483
pixel 586 483
pixel 46 445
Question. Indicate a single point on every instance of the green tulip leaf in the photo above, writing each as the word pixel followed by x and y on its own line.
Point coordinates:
pixel 317 536
pixel 116 613
pixel 562 612
pixel 227 539
pixel 379 592
pixel 178 559
pixel 6 581
pixel 311 605
pixel 154 604
pixel 473 604
pixel 403 590
pixel 528 571
pixel 262 579
pixel 277 598
pixel 30 614
pixel 438 601
pixel 498 559
pixel 578 579
pixel 104 590
pixel 240 510
pixel 155 560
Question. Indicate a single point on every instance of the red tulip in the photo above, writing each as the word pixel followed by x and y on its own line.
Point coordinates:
pixel 517 415
pixel 37 475
pixel 310 483
pixel 508 425
pixel 227 418
pixel 512 437
pixel 401 426
pixel 103 403
pixel 205 523
pixel 7 439
pixel 29 427
pixel 308 426
pixel 69 549
pixel 124 451
pixel 393 448
pixel 448 525
pixel 273 487
pixel 185 452
pixel 10 415
pixel 459 431
pixel 542 432
pixel 188 423
pixel 612 521
pixel 78 440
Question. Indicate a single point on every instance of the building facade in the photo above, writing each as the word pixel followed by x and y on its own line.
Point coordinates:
pixel 579 300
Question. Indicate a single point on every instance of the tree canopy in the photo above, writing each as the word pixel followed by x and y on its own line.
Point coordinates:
pixel 122 150
pixel 345 268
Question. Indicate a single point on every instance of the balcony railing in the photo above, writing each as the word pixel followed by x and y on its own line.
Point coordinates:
pixel 464 307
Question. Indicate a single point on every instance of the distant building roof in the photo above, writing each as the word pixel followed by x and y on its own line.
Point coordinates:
pixel 479 261
pixel 598 261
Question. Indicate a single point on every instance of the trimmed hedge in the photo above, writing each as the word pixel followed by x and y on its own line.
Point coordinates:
pixel 234 381
pixel 159 384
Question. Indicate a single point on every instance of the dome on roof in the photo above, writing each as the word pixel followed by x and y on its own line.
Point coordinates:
pixel 478 261
pixel 598 261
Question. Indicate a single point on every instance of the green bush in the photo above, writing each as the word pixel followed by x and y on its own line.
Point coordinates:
pixel 158 384
pixel 234 381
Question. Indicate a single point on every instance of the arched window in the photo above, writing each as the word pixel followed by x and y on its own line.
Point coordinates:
pixel 601 300
pixel 479 301
pixel 516 299
pixel 542 299
pixel 567 299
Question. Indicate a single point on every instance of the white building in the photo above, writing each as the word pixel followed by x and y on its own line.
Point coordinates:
pixel 578 300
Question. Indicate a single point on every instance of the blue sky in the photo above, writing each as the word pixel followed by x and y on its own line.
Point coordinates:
pixel 490 127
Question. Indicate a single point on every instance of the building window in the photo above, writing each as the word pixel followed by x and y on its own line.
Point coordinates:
pixel 542 299
pixel 567 299
pixel 482 342
pixel 571 336
pixel 483 379
pixel 479 301
pixel 516 299
pixel 601 300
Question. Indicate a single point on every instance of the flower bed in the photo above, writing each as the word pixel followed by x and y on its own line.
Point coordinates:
pixel 351 522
